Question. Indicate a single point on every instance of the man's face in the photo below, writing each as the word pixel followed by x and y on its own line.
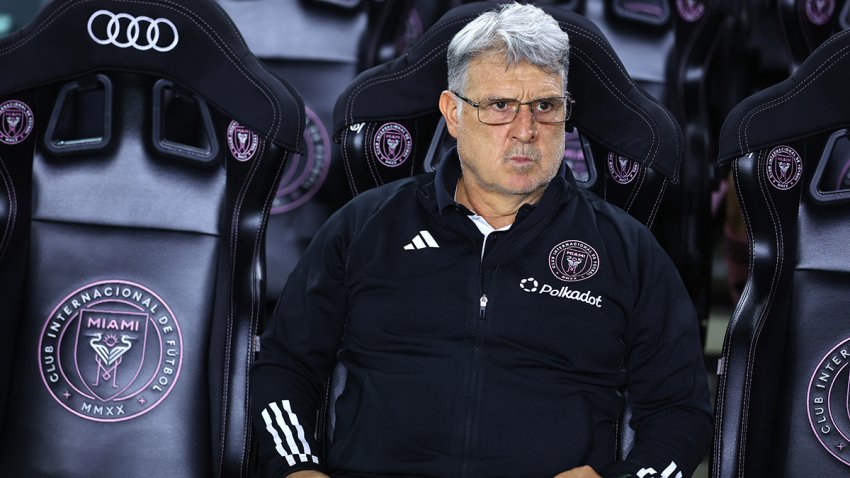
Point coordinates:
pixel 510 159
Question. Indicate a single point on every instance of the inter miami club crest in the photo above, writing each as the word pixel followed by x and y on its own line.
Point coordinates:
pixel 690 10
pixel 819 12
pixel 784 167
pixel 392 144
pixel 305 174
pixel 242 141
pixel 623 170
pixel 110 351
pixel 16 122
pixel 573 261
pixel 828 402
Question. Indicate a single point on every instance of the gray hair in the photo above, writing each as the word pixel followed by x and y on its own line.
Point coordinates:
pixel 523 33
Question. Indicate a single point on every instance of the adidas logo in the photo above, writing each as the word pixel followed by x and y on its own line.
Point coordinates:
pixel 421 241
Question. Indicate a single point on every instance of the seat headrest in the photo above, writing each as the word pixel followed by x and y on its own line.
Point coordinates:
pixel 158 37
pixel 811 101
pixel 609 108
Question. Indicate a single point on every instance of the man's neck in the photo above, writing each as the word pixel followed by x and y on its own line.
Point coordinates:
pixel 499 210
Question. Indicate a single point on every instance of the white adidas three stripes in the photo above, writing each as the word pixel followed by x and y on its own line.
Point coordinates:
pixel 667 473
pixel 421 241
pixel 291 429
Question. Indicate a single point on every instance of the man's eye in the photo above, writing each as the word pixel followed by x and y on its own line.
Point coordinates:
pixel 545 105
pixel 499 105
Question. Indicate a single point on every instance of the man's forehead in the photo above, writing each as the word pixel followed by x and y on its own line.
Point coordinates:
pixel 493 71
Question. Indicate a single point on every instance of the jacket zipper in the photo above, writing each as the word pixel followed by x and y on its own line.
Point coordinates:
pixel 475 375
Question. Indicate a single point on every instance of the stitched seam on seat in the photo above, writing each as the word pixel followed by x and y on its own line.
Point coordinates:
pixel 580 57
pixel 238 35
pixel 13 208
pixel 723 377
pixel 657 204
pixel 371 156
pixel 255 313
pixel 260 85
pixel 595 39
pixel 636 190
pixel 589 60
pixel 760 324
pixel 54 16
pixel 349 173
pixel 401 74
pixel 743 128
pixel 234 237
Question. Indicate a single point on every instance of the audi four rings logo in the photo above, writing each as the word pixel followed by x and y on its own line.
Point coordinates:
pixel 142 33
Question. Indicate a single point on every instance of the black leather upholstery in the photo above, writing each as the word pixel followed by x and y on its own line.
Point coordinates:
pixel 783 391
pixel 808 23
pixel 705 78
pixel 615 118
pixel 634 143
pixel 140 143
pixel 319 46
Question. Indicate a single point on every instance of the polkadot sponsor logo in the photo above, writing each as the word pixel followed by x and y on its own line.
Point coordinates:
pixel 784 167
pixel 827 402
pixel 110 351
pixel 573 261
pixel 529 284
pixel 16 122
pixel 392 144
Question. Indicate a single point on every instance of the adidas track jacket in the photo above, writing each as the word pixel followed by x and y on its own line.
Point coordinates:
pixel 514 363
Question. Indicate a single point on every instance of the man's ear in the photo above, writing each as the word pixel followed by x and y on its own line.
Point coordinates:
pixel 448 107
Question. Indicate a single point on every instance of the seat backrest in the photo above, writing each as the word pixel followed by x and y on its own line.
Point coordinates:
pixel 140 143
pixel 808 23
pixel 627 144
pixel 319 46
pixel 782 396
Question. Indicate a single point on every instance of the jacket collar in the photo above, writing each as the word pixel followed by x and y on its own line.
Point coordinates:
pixel 560 190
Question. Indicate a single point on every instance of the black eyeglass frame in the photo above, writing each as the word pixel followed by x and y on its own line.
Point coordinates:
pixel 568 104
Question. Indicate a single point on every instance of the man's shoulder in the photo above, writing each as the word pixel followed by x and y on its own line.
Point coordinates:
pixel 400 193
pixel 608 212
pixel 380 195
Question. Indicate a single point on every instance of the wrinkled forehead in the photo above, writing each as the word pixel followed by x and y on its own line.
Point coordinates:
pixel 494 71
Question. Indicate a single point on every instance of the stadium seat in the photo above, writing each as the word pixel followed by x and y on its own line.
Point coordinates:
pixel 140 144
pixel 782 397
pixel 808 23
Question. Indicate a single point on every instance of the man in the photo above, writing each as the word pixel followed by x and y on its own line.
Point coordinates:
pixel 488 317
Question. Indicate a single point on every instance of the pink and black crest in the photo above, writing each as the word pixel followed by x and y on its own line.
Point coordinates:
pixel 819 12
pixel 573 261
pixel 623 170
pixel 828 402
pixel 784 167
pixel 16 122
pixel 392 144
pixel 690 10
pixel 242 141
pixel 110 351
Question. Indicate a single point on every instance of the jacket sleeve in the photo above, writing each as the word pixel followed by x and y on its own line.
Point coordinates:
pixel 667 385
pixel 297 354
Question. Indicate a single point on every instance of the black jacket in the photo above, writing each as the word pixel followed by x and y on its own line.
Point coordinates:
pixel 511 365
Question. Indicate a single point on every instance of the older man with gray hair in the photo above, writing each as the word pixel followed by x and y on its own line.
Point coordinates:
pixel 490 316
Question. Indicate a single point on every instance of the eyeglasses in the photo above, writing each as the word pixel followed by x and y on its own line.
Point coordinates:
pixel 556 109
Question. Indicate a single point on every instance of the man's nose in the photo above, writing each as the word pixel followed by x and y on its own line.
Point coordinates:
pixel 524 125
